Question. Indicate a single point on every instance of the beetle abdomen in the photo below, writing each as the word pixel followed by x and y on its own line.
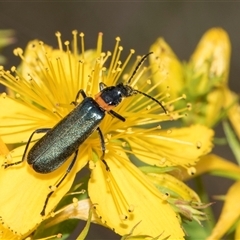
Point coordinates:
pixel 59 143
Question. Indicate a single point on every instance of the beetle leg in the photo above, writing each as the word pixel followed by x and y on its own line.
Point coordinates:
pixel 40 130
pixel 116 115
pixel 103 148
pixel 84 95
pixel 59 182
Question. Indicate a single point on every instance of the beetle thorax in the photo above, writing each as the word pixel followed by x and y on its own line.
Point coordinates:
pixel 111 96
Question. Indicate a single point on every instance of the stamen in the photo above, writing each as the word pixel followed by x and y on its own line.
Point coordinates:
pixel 18 86
pixel 79 77
pixel 75 49
pixel 132 51
pixel 177 99
pixel 113 60
pixel 191 171
pixel 91 164
pixel 116 73
pixel 82 44
pixel 75 202
pixel 199 145
pixel 131 208
pixel 123 217
pixel 165 196
pixel 99 43
pixel 138 74
pixel 180 113
pixel 58 35
pixel 96 75
pixel 71 70
pixel 62 81
pixel 59 235
pixel 118 198
pixel 105 59
pixel 41 43
pixel 162 160
pixel 18 52
pixel 116 62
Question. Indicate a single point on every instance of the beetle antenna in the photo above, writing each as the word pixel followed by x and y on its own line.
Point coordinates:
pixel 138 66
pixel 152 98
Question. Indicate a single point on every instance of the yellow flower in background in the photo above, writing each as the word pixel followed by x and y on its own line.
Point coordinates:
pixel 40 93
pixel 229 217
pixel 6 38
pixel 210 61
pixel 203 79
pixel 230 214
pixel 167 68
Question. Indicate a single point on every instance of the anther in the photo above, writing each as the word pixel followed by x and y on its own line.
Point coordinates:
pixel 199 145
pixel 191 171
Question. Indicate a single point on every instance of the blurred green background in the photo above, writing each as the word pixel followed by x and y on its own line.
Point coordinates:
pixel 139 24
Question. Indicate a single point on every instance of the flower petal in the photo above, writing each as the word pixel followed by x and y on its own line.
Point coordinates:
pixel 175 147
pixel 213 49
pixel 18 121
pixel 168 70
pixel 3 148
pixel 25 192
pixel 7 233
pixel 172 185
pixel 216 165
pixel 128 197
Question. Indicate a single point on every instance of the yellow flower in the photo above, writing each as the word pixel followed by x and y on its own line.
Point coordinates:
pixel 229 218
pixel 209 67
pixel 211 59
pixel 203 79
pixel 6 38
pixel 167 68
pixel 230 214
pixel 41 92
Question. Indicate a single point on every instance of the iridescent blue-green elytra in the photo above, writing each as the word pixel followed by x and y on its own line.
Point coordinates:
pixel 59 143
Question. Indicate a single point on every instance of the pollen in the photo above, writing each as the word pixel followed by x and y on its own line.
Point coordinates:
pixel 162 161
pixel 75 202
pixel 131 208
pixel 123 217
pixel 52 188
pixel 18 52
pixel 148 107
pixel 109 136
pixel 191 171
pixel 129 131
pixel 165 196
pixel 3 95
pixel 91 164
pixel 199 145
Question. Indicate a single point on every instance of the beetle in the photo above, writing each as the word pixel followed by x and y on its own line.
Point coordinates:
pixel 65 138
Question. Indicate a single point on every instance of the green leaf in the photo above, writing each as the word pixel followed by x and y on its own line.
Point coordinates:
pixel 65 228
pixel 232 140
pixel 195 231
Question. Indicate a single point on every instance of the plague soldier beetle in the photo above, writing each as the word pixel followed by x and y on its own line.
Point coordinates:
pixel 65 138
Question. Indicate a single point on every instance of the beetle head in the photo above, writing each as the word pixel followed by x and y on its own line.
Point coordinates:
pixel 114 95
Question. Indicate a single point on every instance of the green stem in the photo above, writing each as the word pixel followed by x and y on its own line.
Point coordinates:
pixel 204 197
